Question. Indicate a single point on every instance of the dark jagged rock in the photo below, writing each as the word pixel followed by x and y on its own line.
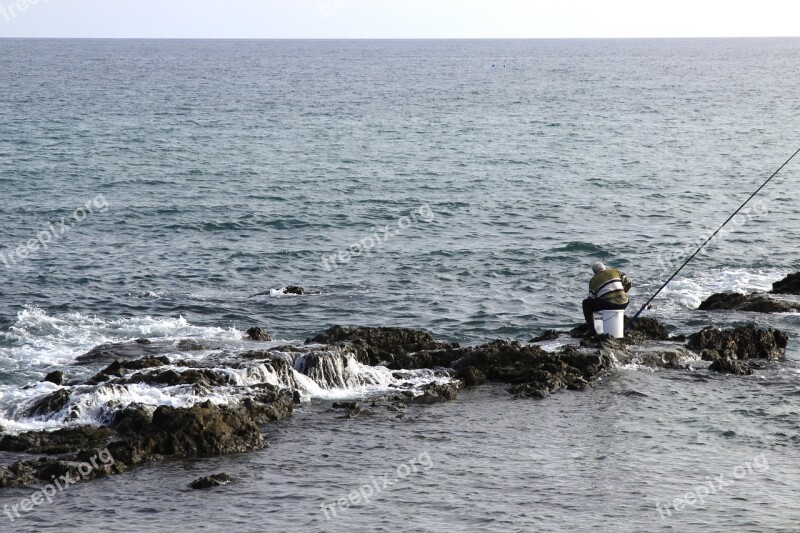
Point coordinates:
pixel 471 376
pixel 788 285
pixel 445 357
pixel 204 377
pixel 203 429
pixel 735 301
pixel 345 405
pixel 56 377
pixel 119 368
pixel 120 350
pixel 378 345
pixel 747 342
pixel 517 364
pixel 69 439
pixel 135 419
pixel 729 366
pixel 579 331
pixel 646 328
pixel 257 334
pixel 291 289
pixel 548 335
pixel 19 473
pixel 436 393
pixel 294 289
pixel 269 404
pixel 215 480
pixel 52 403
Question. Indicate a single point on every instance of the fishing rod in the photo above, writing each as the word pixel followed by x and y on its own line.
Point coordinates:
pixel 632 320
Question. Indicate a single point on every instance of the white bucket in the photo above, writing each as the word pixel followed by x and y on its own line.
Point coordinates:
pixel 614 323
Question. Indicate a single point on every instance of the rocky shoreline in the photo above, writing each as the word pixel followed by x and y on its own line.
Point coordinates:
pixel 266 385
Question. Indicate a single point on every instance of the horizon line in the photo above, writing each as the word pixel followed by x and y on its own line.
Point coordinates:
pixel 402 38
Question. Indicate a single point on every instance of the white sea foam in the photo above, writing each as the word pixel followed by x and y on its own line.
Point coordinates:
pixel 690 291
pixel 41 339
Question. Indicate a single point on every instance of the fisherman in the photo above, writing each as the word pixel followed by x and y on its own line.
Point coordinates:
pixel 608 290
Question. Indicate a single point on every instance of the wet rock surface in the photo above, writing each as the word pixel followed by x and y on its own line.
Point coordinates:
pixel 734 301
pixel 645 328
pixel 52 403
pixel 69 439
pixel 436 393
pixel 748 342
pixel 725 365
pixel 56 377
pixel 547 335
pixel 214 480
pixel 788 285
pixel 257 334
pixel 120 368
pixel 137 433
pixel 379 345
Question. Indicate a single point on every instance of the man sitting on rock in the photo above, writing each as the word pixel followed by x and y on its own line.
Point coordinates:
pixel 608 290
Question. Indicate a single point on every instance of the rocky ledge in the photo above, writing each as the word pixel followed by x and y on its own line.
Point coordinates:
pixel 734 301
pixel 788 285
pixel 135 433
pixel 140 434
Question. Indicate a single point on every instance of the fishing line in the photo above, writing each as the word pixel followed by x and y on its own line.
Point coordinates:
pixel 632 320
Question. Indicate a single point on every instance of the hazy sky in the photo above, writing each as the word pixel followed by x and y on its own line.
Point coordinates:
pixel 397 18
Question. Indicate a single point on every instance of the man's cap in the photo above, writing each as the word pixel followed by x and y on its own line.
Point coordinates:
pixel 598 267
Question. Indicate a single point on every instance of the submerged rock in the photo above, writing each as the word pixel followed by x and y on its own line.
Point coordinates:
pixel 746 302
pixel 548 335
pixel 747 342
pixel 291 289
pixel 215 480
pixel 788 285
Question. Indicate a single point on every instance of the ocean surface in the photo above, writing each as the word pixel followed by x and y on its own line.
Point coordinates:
pixel 460 187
